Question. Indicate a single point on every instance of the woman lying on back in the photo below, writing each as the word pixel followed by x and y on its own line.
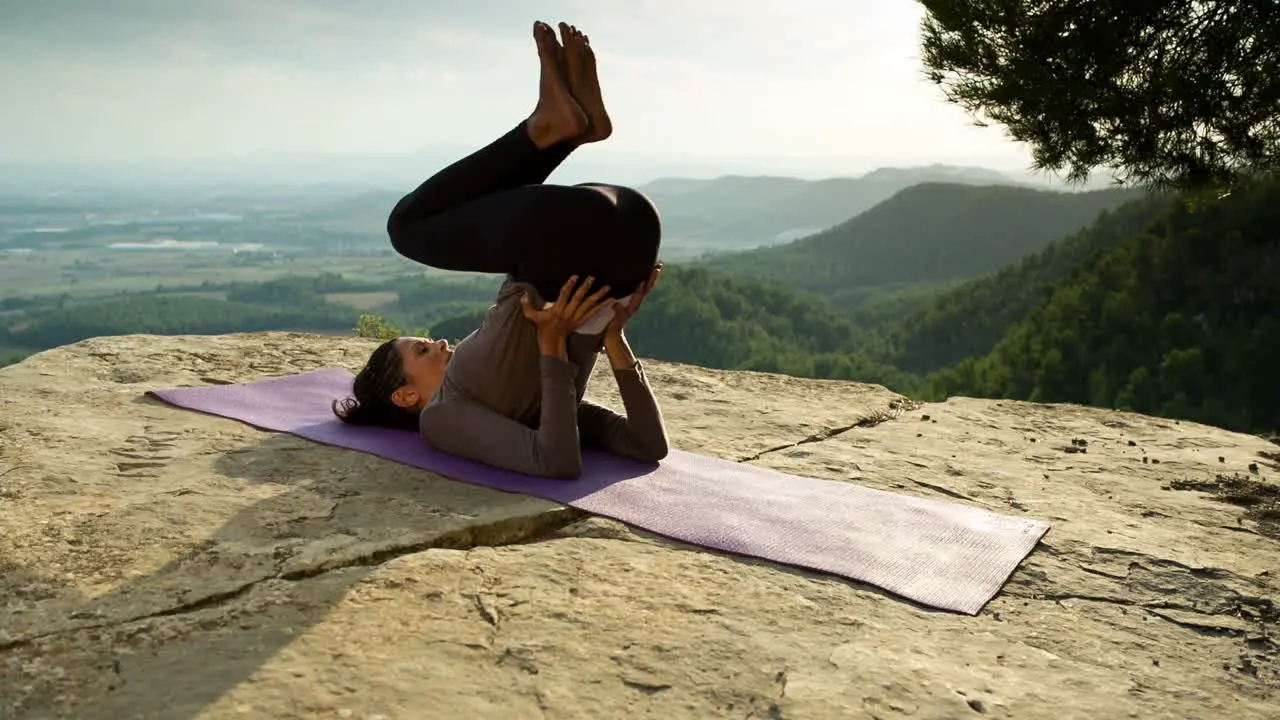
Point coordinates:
pixel 511 393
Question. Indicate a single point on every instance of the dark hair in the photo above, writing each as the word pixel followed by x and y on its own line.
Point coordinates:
pixel 382 375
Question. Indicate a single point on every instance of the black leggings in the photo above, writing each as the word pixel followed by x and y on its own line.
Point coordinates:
pixel 491 212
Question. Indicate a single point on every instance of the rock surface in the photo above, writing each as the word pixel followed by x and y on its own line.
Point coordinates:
pixel 160 563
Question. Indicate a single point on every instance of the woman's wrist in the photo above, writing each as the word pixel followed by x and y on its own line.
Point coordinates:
pixel 619 351
pixel 553 344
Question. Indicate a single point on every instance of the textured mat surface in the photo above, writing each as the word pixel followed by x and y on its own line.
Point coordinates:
pixel 941 554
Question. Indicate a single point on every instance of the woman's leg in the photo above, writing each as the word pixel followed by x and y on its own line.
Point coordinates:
pixel 490 212
pixel 425 225
pixel 542 235
pixel 609 232
pixel 431 225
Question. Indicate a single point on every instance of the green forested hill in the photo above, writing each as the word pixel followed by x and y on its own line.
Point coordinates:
pixel 700 317
pixel 1183 320
pixel 930 233
pixel 969 319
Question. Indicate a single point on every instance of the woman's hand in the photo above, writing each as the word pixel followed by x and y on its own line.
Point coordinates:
pixel 624 312
pixel 571 309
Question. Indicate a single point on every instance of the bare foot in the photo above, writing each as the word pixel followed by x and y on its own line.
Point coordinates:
pixel 584 84
pixel 557 115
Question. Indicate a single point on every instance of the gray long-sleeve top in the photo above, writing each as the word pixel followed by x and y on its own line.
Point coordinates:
pixel 505 404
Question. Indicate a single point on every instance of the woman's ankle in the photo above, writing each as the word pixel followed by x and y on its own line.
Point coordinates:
pixel 542 134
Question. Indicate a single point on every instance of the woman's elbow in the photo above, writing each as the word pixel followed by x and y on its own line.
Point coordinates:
pixel 565 464
pixel 655 450
pixel 569 468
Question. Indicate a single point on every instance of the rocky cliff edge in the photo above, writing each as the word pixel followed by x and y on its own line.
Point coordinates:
pixel 160 563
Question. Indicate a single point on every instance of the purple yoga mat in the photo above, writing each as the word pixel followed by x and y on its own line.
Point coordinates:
pixel 942 554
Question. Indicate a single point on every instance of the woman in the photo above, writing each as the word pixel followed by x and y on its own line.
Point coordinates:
pixel 511 393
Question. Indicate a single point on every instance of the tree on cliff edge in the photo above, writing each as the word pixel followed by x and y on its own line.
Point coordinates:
pixel 1169 93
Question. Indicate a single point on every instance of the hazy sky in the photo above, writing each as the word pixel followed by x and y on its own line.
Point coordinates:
pixel 143 79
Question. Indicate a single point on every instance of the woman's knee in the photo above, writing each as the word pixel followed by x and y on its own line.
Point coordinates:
pixel 408 245
pixel 415 241
pixel 397 221
pixel 417 238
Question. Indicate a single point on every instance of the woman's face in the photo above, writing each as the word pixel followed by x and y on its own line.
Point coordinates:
pixel 423 361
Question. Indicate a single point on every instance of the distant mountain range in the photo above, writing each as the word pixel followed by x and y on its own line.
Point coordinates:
pixel 725 212
pixel 734 211
pixel 386 171
pixel 739 212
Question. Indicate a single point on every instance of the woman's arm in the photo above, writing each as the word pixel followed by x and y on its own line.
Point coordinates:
pixel 463 427
pixel 641 433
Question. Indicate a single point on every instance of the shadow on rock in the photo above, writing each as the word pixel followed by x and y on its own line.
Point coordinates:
pixel 168 644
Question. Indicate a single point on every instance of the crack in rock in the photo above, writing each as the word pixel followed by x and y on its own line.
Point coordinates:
pixel 940 489
pixel 646 688
pixel 1216 623
pixel 485 606
pixel 510 531
pixel 896 409
pixel 819 436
